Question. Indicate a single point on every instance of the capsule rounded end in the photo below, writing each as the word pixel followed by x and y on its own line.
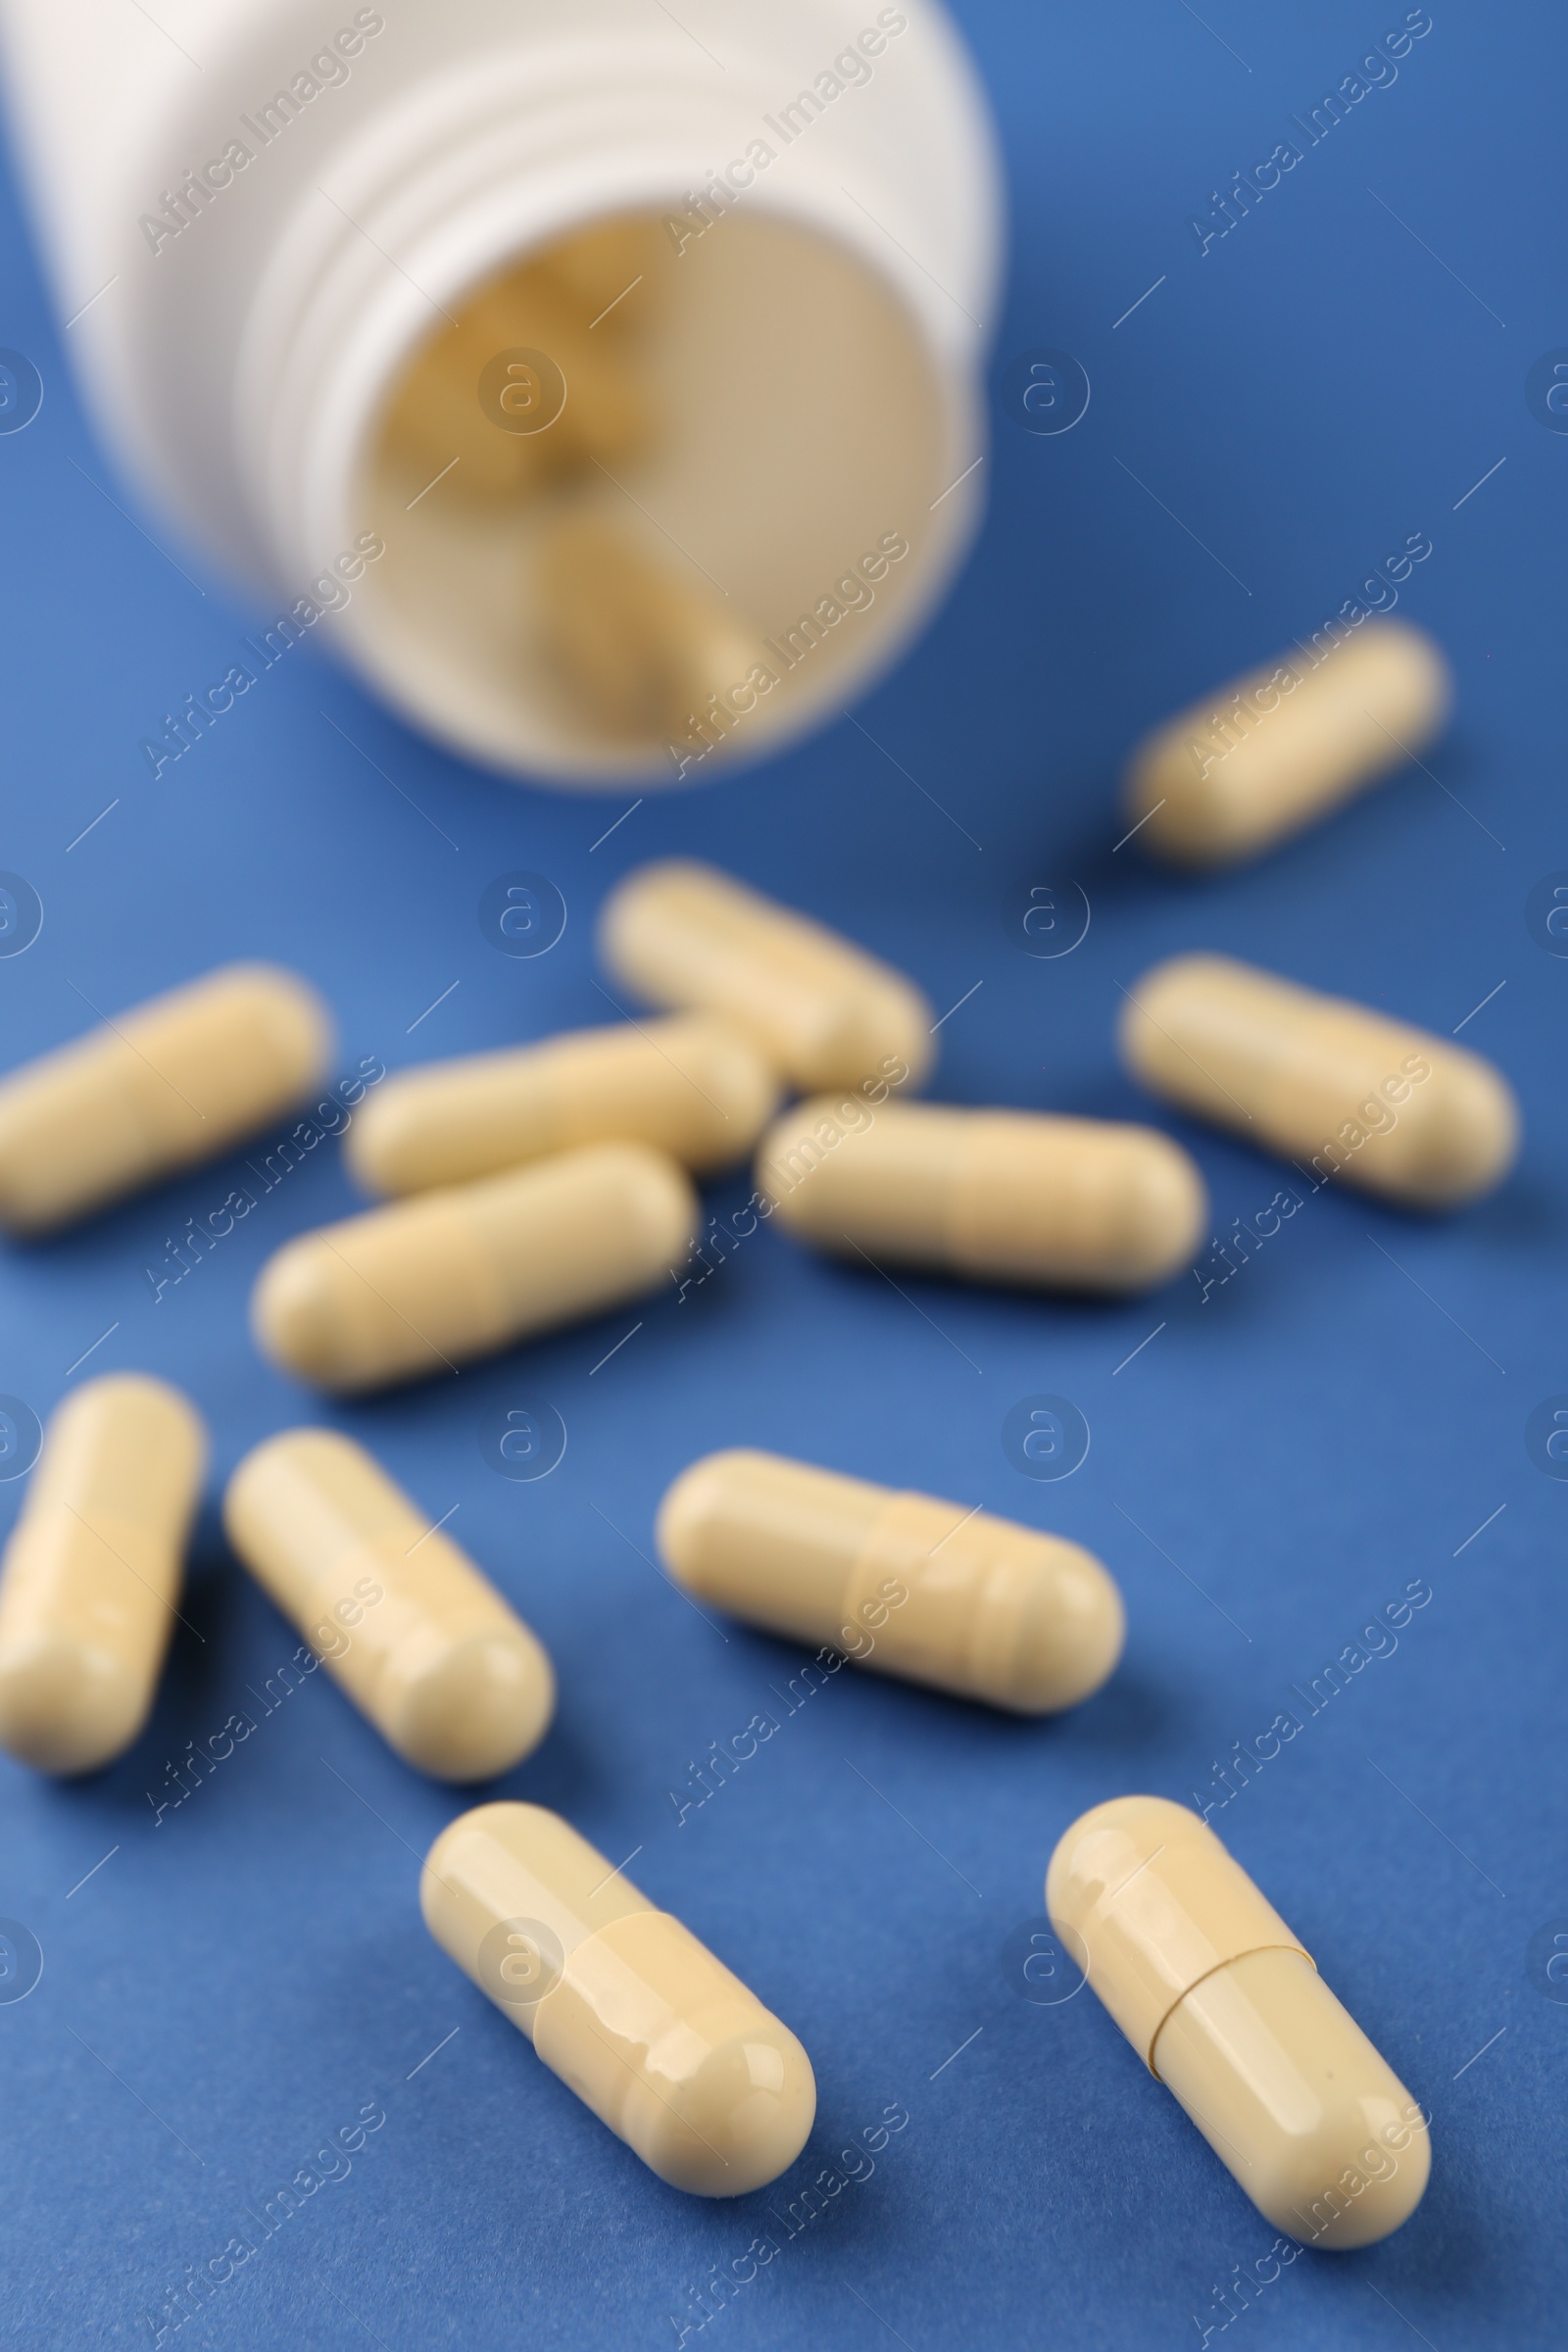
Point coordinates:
pixel 1466 1135
pixel 693 1513
pixel 297 1319
pixel 741 2118
pixel 294 1019
pixel 384 1149
pixel 1071 1636
pixel 477 1711
pixel 66 1708
pixel 1162 1212
pixel 657 1200
pixel 741 1089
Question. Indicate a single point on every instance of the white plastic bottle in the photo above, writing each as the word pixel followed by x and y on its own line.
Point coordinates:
pixel 258 215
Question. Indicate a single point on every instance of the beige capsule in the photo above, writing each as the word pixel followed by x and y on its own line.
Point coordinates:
pixel 689 1085
pixel 432 1281
pixel 170 1083
pixel 1225 2007
pixel 823 1010
pixel 437 417
pixel 652 2031
pixel 93 1570
pixel 1272 752
pixel 399 1615
pixel 902 1583
pixel 1328 1083
pixel 999 1196
pixel 642 648
pixel 602 264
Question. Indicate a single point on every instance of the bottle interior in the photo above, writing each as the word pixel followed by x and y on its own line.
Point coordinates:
pixel 652 496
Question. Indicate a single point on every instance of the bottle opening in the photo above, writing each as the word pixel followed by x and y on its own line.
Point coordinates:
pixel 652 500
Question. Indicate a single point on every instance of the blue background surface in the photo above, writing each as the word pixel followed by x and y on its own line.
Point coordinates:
pixel 237 1979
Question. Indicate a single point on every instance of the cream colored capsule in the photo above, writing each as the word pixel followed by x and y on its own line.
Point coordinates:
pixel 824 1012
pixel 1225 2007
pixel 1000 1195
pixel 642 648
pixel 432 1281
pixel 1269 753
pixel 93 1570
pixel 438 417
pixel 646 2026
pixel 398 1613
pixel 1325 1083
pixel 911 1586
pixel 691 1087
pixel 169 1083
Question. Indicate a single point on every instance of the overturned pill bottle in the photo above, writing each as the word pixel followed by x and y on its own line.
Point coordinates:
pixel 604 388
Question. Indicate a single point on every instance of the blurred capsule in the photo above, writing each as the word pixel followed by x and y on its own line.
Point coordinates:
pixel 689 1085
pixel 1000 1195
pixel 1322 1081
pixel 1268 755
pixel 169 1083
pixel 93 1573
pixel 824 1012
pixel 643 649
pixel 434 1281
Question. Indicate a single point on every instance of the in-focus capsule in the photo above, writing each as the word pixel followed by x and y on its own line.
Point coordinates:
pixel 399 1615
pixel 429 1283
pixel 902 1583
pixel 1266 756
pixel 1000 1195
pixel 645 650
pixel 1225 2007
pixel 646 2026
pixel 824 1012
pixel 1321 1081
pixel 159 1088
pixel 93 1570
pixel 691 1086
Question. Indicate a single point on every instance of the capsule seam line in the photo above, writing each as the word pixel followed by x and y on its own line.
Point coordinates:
pixel 1148 2058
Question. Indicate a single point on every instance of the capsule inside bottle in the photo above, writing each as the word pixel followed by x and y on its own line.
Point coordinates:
pixel 93 1573
pixel 401 1619
pixel 1227 2009
pixel 653 2034
pixel 929 1591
